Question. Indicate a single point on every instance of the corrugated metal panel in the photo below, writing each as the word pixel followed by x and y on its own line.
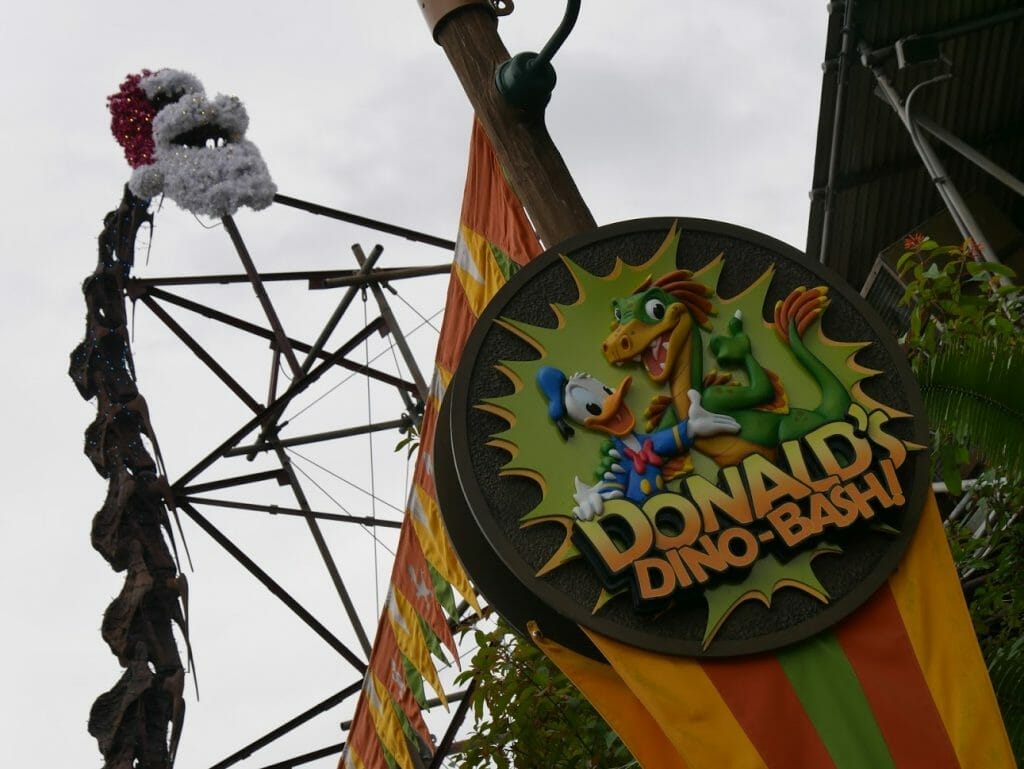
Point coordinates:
pixel 881 189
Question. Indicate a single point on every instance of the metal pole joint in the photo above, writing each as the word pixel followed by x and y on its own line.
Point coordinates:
pixel 436 11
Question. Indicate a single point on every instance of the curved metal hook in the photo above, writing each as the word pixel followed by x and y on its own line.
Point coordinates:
pixel 527 79
pixel 561 34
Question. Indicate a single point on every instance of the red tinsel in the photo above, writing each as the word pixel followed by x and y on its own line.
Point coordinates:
pixel 132 120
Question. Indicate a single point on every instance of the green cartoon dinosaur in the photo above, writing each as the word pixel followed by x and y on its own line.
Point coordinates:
pixel 658 325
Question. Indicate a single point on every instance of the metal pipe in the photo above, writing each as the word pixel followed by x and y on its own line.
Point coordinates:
pixel 838 116
pixel 348 432
pixel 433 702
pixel 362 221
pixel 940 487
pixel 364 272
pixel 261 294
pixel 385 275
pixel 968 225
pixel 321 546
pixel 287 726
pixel 297 387
pixel 444 746
pixel 935 170
pixel 365 520
pixel 992 168
pixel 954 203
pixel 396 332
pixel 272 586
pixel 976 25
pixel 225 318
pixel 230 320
pixel 238 480
pixel 561 34
pixel 202 354
pixel 315 278
pixel 275 364
pixel 306 758
pixel 269 424
pixel 959 509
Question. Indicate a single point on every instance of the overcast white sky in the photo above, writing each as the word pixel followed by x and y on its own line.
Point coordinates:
pixel 681 108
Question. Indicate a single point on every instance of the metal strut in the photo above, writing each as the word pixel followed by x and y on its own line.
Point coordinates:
pixel 307 364
pixel 954 202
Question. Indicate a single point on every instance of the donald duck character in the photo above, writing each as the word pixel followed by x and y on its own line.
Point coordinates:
pixel 633 464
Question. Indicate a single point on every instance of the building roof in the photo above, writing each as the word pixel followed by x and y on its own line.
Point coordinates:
pixel 870 187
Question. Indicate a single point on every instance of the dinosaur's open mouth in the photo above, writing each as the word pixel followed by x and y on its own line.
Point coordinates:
pixel 655 355
pixel 210 136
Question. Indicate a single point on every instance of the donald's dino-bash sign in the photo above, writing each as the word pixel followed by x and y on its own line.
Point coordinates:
pixel 680 434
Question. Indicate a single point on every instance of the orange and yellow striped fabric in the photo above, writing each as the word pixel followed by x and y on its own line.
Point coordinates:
pixel 495 238
pixel 900 684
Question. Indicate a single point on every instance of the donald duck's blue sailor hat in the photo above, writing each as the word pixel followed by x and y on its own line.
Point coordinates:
pixel 552 383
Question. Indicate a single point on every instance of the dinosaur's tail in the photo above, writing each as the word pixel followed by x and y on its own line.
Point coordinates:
pixel 835 398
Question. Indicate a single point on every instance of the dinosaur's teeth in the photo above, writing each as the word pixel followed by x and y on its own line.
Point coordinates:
pixel 636 359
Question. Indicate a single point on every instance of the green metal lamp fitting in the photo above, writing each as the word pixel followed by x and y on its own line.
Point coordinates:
pixel 527 79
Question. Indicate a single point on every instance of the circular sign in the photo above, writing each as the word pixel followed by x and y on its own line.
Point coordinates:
pixel 683 435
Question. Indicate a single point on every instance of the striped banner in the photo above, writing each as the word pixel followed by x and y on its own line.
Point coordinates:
pixel 900 684
pixel 495 238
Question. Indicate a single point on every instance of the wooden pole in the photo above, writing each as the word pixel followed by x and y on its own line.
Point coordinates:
pixel 532 163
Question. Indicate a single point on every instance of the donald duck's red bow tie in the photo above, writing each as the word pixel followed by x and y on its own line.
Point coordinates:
pixel 644 457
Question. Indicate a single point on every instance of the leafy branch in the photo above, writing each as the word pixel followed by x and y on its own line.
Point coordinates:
pixel 528 715
pixel 965 344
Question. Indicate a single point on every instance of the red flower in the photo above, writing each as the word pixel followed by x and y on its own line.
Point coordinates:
pixel 912 242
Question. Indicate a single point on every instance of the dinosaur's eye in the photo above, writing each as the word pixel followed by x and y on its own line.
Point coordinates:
pixel 617 312
pixel 655 308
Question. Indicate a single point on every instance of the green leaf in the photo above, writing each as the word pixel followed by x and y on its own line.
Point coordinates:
pixel 903 261
pixel 951 470
pixel 971 389
pixel 1002 325
pixel 928 339
pixel 998 268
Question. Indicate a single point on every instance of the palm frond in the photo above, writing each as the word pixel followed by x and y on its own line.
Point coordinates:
pixel 973 395
pixel 1007 672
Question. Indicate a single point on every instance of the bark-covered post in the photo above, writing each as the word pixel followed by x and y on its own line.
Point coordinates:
pixel 467 31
